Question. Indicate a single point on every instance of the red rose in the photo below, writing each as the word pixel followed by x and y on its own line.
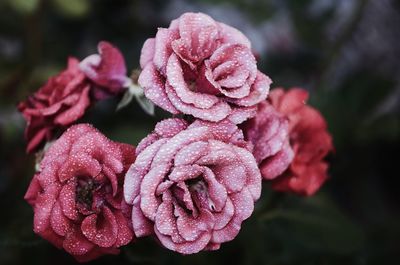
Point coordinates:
pixel 59 103
pixel 77 195
pixel 192 185
pixel 309 139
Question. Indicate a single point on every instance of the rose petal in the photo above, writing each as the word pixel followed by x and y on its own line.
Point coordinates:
pixel 67 200
pixel 138 170
pixel 185 172
pixel 233 176
pixel 184 248
pixel 276 165
pixel 59 223
pixel 76 111
pixel 198 34
pixel 76 243
pixel 43 207
pixel 222 218
pixel 192 228
pixel 82 165
pixel 216 113
pixel 178 83
pixel 153 85
pixel 216 190
pixel 170 127
pixel 258 91
pixel 253 182
pixel 147 54
pixel 141 225
pixel 163 49
pixel 229 34
pixel 149 202
pixel 168 150
pixel 107 69
pixel 244 206
pixel 241 114
pixel 190 153
pixel 101 229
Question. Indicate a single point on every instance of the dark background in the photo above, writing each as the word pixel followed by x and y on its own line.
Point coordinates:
pixel 345 52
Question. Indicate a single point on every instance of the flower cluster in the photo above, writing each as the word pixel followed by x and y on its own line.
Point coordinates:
pixel 192 181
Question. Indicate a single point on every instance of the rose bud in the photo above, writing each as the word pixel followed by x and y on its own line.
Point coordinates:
pixel 203 68
pixel 60 102
pixel 77 195
pixel 192 186
pixel 107 70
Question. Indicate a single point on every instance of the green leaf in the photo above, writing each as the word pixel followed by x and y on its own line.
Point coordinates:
pixel 146 104
pixel 126 99
pixel 137 92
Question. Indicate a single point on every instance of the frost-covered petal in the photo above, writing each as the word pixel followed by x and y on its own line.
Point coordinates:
pixel 101 229
pixel 154 88
pixel 107 69
pixel 146 56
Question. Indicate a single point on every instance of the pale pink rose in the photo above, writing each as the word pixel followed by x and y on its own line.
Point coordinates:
pixel 269 133
pixel 203 68
pixel 192 185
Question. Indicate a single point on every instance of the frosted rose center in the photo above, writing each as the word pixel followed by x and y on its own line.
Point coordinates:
pixel 89 195
pixel 198 191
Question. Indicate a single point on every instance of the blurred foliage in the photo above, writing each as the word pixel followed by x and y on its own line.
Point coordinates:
pixel 73 8
pixel 345 52
pixel 24 6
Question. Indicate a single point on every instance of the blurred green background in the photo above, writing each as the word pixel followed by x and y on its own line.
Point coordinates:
pixel 345 52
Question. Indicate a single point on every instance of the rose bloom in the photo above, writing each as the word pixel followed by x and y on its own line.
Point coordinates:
pixel 192 185
pixel 107 70
pixel 59 103
pixel 204 68
pixel 308 137
pixel 77 196
pixel 269 133
pixel 64 98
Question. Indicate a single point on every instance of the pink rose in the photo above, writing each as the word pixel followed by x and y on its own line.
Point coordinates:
pixel 269 133
pixel 59 103
pixel 107 70
pixel 309 139
pixel 192 185
pixel 77 195
pixel 204 68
